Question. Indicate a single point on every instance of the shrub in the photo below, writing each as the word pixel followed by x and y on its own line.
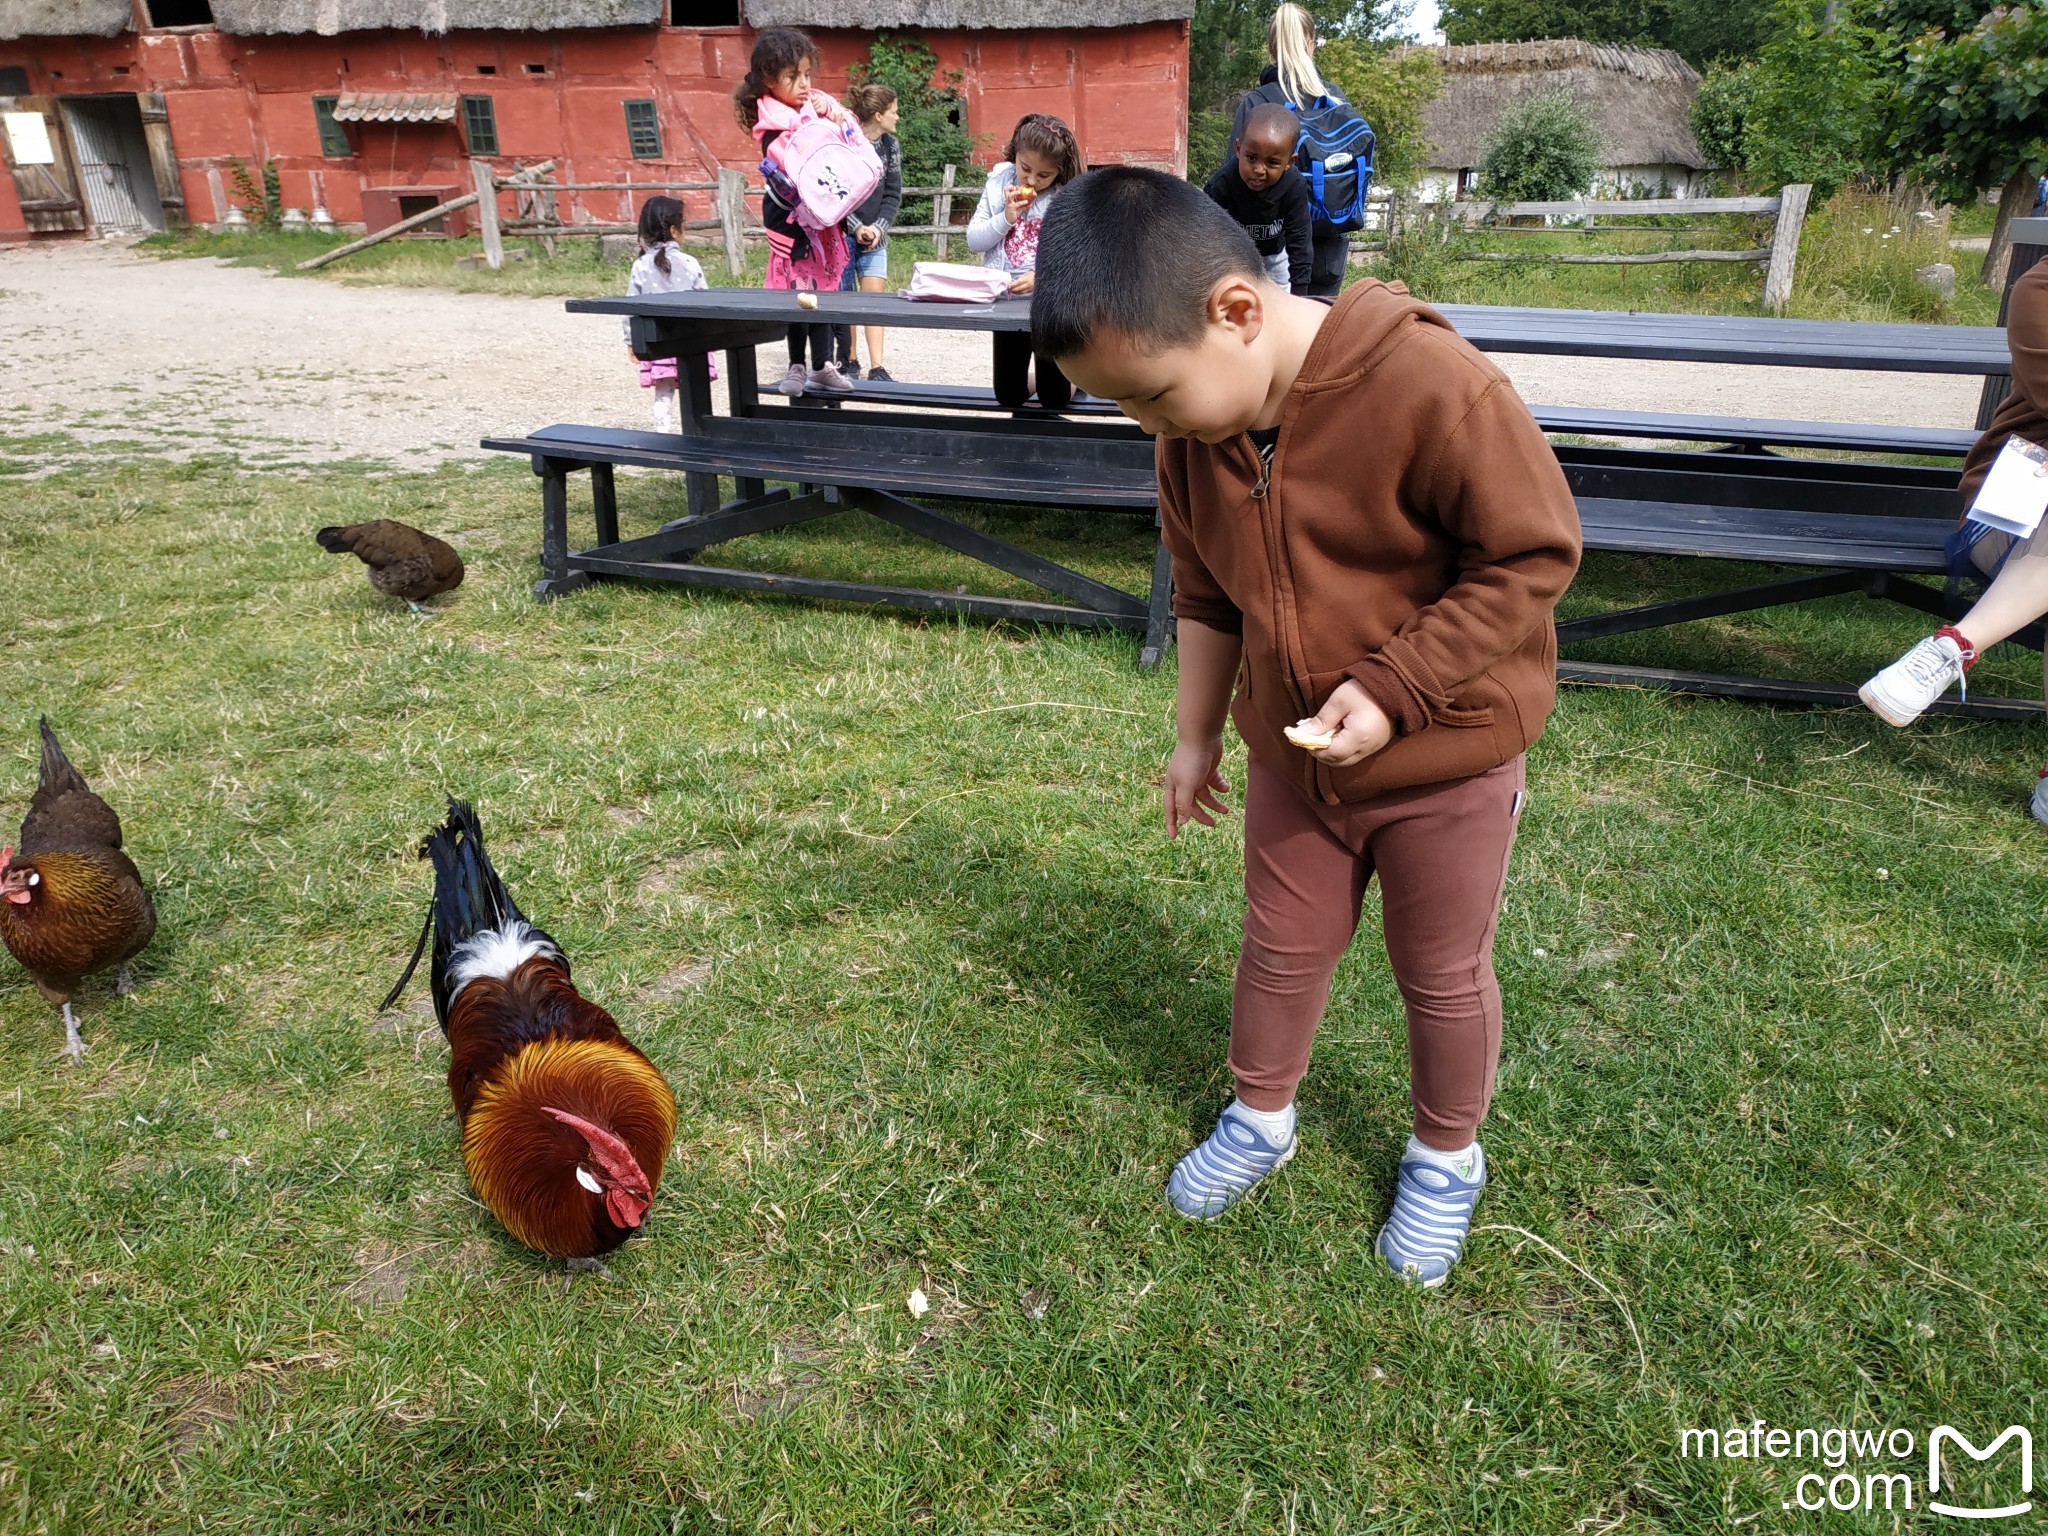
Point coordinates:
pixel 1813 105
pixel 1543 148
pixel 1720 113
pixel 931 124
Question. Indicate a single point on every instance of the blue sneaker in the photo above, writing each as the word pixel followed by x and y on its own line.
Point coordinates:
pixel 1432 1216
pixel 1223 1169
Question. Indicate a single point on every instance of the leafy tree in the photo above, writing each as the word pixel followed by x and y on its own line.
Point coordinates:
pixel 931 120
pixel 1542 148
pixel 1514 21
pixel 1720 114
pixel 1703 31
pixel 1970 108
pixel 1392 93
pixel 1813 105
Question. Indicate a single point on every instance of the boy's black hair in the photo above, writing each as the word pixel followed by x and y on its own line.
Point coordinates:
pixel 1134 253
pixel 1272 117
pixel 777 50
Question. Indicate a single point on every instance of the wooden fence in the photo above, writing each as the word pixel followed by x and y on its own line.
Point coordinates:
pixel 1780 257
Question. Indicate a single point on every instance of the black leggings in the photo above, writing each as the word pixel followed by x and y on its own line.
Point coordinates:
pixel 1013 374
pixel 821 344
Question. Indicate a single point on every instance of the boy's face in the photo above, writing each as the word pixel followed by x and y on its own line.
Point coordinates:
pixel 1263 158
pixel 1211 389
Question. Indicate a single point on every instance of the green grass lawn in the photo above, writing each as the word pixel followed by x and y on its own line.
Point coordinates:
pixel 889 902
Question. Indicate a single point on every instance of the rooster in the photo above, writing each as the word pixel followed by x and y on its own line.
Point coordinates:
pixel 565 1124
pixel 403 561
pixel 71 902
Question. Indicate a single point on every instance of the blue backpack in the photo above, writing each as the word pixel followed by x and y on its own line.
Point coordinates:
pixel 1334 152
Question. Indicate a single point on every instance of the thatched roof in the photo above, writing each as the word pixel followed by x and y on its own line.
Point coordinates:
pixel 328 17
pixel 1639 99
pixel 962 15
pixel 64 18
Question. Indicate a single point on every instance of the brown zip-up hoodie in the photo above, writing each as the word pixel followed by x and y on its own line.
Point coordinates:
pixel 1414 534
pixel 2025 411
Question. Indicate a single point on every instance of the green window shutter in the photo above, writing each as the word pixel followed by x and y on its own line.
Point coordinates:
pixel 479 125
pixel 643 130
pixel 333 137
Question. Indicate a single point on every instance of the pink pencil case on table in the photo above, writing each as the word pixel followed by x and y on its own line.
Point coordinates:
pixel 953 282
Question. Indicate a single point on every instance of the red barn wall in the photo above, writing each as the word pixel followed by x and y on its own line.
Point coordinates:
pixel 1123 90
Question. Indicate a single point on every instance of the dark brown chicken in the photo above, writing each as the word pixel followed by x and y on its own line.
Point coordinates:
pixel 71 902
pixel 403 561
pixel 565 1124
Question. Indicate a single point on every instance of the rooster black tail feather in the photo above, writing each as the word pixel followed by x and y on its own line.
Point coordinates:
pixel 469 898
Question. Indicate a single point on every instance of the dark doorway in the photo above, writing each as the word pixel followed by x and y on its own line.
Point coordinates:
pixel 180 13
pixel 704 13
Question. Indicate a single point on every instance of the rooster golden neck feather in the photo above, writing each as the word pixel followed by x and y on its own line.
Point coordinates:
pixel 557 1107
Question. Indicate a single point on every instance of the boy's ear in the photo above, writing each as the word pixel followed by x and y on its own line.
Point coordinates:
pixel 1236 303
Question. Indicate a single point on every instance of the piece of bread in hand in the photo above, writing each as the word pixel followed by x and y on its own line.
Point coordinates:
pixel 1308 736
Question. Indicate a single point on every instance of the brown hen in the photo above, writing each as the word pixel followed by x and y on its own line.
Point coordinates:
pixel 403 561
pixel 71 902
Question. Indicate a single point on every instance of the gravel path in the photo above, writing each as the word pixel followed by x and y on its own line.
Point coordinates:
pixel 179 357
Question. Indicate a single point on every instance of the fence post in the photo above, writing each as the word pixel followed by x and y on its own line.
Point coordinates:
pixel 942 214
pixel 732 218
pixel 1785 245
pixel 487 212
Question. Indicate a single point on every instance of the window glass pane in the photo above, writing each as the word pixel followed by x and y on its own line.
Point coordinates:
pixel 643 130
pixel 479 125
pixel 333 137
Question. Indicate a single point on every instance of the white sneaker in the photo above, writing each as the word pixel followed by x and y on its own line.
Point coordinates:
pixel 2040 806
pixel 1902 692
pixel 793 382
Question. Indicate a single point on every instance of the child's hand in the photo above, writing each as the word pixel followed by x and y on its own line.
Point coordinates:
pixel 1361 726
pixel 1024 282
pixel 1194 786
pixel 869 237
pixel 1016 200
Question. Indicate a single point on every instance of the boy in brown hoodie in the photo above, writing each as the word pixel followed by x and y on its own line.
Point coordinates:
pixel 1369 533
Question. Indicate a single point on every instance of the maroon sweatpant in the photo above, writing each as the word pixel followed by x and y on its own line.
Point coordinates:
pixel 1441 854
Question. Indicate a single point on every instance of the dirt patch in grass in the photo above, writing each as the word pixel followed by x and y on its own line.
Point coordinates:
pixel 793 1378
pixel 386 1272
pixel 684 979
pixel 199 1409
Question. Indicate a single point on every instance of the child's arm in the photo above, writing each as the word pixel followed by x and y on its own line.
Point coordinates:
pixel 1495 486
pixel 987 229
pixel 892 187
pixel 1301 253
pixel 633 286
pixel 1210 632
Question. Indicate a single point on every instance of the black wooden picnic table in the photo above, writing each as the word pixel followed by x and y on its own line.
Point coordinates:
pixel 1868 528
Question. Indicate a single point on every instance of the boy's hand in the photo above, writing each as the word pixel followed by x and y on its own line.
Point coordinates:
pixel 1361 726
pixel 1194 787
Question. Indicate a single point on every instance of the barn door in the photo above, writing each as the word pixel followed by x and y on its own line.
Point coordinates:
pixel 163 159
pixel 44 181
pixel 109 163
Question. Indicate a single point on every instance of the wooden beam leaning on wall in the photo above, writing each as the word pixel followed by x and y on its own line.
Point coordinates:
pixel 418 219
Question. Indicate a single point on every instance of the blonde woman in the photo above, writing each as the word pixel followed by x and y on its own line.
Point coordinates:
pixel 1292 79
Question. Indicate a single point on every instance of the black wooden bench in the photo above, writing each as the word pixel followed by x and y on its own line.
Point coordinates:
pixel 1719 507
pixel 1744 434
pixel 854 461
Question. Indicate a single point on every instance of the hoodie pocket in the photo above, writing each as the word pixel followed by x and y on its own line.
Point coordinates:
pixel 1464 715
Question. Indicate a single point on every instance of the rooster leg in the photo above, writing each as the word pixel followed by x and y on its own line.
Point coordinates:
pixel 74 1046
pixel 124 982
pixel 422 613
pixel 585 1264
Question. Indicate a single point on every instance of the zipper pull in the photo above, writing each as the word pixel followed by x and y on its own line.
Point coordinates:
pixel 1259 486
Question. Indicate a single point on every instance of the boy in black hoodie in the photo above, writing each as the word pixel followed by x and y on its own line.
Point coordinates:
pixel 1261 189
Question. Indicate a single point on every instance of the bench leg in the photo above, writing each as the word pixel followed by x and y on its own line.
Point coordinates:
pixel 1159 623
pixel 743 398
pixel 556 579
pixel 693 407
pixel 604 501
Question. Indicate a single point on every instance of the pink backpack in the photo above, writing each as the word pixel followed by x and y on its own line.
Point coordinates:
pixel 833 168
